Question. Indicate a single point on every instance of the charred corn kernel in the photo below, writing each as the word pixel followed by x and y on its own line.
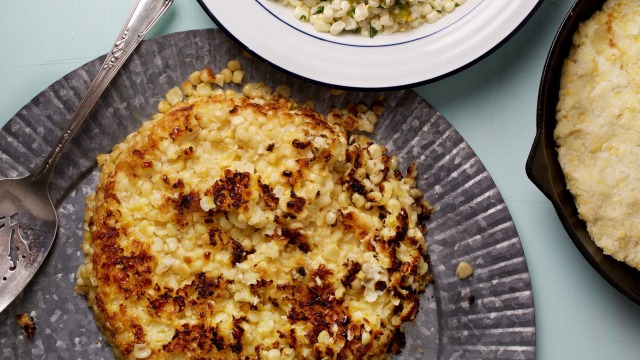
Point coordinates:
pixel 187 88
pixel 207 75
pixel 415 193
pixel 377 108
pixel 374 196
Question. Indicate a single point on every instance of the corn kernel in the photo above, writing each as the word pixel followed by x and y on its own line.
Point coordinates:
pixel 227 74
pixel 207 75
pixel 195 78
pixel 218 80
pixel 174 95
pixel 237 76
pixel 234 65
pixel 283 90
pixel 204 89
pixel 164 106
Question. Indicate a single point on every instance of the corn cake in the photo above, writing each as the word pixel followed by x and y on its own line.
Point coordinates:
pixel 239 227
pixel 598 127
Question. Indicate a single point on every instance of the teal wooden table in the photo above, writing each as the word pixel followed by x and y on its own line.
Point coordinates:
pixel 492 104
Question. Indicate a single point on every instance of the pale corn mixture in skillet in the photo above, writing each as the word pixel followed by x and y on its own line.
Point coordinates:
pixel 598 127
pixel 236 226
pixel 369 17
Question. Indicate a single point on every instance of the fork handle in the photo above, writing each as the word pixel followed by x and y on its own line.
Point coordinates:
pixel 143 15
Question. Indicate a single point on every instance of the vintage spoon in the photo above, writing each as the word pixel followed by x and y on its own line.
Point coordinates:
pixel 28 220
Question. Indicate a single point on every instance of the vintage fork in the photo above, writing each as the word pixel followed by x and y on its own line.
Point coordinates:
pixel 28 220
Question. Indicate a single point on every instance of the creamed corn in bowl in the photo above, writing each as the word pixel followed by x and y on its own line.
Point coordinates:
pixel 248 227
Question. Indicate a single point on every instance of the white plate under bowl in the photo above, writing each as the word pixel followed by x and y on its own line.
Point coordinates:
pixel 268 29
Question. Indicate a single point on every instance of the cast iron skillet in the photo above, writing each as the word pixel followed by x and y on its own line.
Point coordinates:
pixel 544 170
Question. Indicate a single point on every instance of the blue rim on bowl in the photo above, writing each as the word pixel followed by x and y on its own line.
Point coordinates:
pixel 354 65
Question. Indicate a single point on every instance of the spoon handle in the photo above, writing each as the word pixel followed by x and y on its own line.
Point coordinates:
pixel 143 15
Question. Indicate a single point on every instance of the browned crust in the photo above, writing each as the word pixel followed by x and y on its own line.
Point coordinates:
pixel 308 300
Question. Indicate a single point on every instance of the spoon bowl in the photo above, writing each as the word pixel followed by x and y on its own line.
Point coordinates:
pixel 28 225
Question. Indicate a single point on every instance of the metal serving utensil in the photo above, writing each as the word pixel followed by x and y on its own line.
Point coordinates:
pixel 28 220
